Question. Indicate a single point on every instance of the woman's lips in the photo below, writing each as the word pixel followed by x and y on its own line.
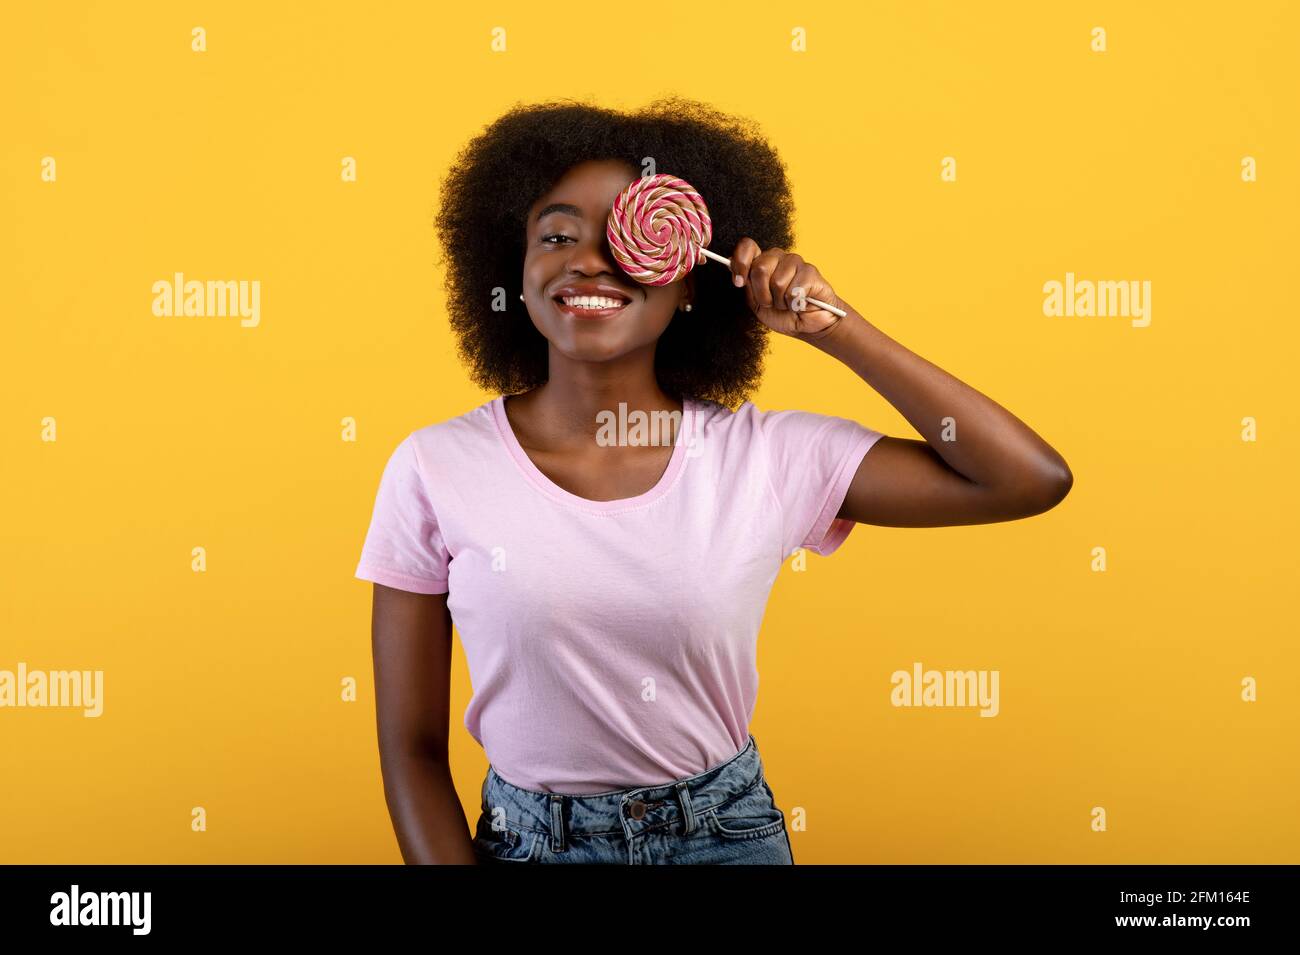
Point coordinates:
pixel 588 312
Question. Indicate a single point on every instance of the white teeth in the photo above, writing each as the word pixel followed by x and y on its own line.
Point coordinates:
pixel 592 301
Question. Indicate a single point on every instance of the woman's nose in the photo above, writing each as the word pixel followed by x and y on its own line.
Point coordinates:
pixel 593 256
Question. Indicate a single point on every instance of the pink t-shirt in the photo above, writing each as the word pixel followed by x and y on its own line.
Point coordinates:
pixel 611 644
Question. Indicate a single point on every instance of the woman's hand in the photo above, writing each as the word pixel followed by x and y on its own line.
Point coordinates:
pixel 778 285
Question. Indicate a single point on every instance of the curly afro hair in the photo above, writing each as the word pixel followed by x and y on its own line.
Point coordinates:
pixel 716 351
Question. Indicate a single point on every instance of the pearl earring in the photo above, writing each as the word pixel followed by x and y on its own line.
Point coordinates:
pixel 686 307
pixel 521 296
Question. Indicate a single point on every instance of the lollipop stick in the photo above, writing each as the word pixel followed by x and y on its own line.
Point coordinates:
pixel 727 262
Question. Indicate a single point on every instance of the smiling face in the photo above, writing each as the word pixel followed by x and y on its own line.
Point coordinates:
pixel 578 297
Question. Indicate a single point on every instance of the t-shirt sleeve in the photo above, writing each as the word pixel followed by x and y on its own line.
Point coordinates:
pixel 404 546
pixel 812 459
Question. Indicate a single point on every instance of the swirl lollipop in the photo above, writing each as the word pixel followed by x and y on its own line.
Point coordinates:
pixel 658 229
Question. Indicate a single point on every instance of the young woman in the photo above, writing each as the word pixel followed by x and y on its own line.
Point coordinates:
pixel 608 587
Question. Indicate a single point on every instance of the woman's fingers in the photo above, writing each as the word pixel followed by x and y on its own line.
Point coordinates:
pixel 783 284
pixel 746 251
pixel 807 282
pixel 771 276
pixel 779 281
pixel 761 273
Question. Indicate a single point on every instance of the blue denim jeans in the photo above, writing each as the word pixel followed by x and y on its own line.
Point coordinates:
pixel 723 816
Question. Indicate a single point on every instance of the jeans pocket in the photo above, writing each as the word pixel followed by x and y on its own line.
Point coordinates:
pixel 506 844
pixel 751 815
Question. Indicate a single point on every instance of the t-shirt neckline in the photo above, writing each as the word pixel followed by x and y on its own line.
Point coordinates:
pixel 539 480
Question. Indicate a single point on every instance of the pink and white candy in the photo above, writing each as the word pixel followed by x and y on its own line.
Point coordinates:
pixel 658 229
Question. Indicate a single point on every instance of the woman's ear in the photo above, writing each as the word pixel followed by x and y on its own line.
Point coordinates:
pixel 688 296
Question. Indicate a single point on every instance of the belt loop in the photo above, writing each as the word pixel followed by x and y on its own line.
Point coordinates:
pixel 688 813
pixel 557 822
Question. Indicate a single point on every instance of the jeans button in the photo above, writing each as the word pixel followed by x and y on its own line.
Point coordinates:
pixel 637 808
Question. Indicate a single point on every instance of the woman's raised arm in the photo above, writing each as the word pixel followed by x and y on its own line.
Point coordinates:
pixel 978 464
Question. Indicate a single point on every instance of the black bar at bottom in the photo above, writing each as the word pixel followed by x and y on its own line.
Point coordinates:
pixel 237 902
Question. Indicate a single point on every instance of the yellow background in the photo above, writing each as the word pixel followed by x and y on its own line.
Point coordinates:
pixel 1118 689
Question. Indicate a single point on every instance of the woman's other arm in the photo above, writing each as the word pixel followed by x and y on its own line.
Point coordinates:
pixel 411 640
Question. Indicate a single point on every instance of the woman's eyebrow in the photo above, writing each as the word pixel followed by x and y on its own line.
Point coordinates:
pixel 565 207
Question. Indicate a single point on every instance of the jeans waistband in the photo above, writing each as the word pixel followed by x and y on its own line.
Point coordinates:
pixel 625 812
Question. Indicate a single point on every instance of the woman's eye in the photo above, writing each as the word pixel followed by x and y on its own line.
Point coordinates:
pixel 548 238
